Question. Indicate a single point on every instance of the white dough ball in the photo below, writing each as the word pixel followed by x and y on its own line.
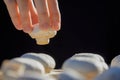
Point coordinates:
pixel 89 55
pixel 16 67
pixel 115 61
pixel 85 66
pixel 42 41
pixel 92 56
pixel 37 33
pixel 30 64
pixel 45 59
pixel 10 70
pixel 42 37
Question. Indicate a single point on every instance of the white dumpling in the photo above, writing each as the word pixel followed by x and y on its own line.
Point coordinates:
pixel 92 56
pixel 37 33
pixel 110 74
pixel 88 67
pixel 45 59
pixel 115 61
pixel 16 67
pixel 10 71
pixel 89 55
pixel 42 41
pixel 42 37
pixel 30 64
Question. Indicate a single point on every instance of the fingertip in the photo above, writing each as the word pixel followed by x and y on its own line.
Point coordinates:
pixel 18 28
pixel 56 26
pixel 27 29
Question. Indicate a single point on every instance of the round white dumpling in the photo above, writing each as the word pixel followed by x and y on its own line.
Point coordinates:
pixel 10 70
pixel 89 68
pixel 92 56
pixel 115 61
pixel 110 74
pixel 89 55
pixel 16 67
pixel 42 37
pixel 42 41
pixel 30 64
pixel 45 59
pixel 37 33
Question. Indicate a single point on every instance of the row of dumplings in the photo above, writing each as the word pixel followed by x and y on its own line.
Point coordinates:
pixel 41 66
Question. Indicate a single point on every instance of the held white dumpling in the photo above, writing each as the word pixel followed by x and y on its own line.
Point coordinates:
pixel 37 33
pixel 45 59
pixel 87 67
pixel 112 73
pixel 42 37
pixel 115 61
pixel 42 41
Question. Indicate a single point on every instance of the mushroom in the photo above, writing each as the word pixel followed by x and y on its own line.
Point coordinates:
pixel 42 37
pixel 112 73
pixel 89 68
pixel 46 60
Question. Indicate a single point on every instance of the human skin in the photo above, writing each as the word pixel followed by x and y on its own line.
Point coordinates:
pixel 25 13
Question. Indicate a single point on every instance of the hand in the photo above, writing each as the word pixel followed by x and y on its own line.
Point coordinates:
pixel 25 13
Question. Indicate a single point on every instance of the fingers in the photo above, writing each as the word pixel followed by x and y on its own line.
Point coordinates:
pixel 25 15
pixel 33 12
pixel 14 13
pixel 55 17
pixel 43 14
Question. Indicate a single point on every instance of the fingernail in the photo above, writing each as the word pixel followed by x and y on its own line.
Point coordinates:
pixel 27 29
pixel 18 27
pixel 56 26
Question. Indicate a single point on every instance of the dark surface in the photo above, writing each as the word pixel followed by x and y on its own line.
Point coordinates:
pixel 86 27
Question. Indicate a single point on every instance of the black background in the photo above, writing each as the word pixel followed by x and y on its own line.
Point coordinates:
pixel 87 26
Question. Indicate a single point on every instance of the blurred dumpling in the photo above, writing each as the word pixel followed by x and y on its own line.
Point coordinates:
pixel 45 59
pixel 87 67
pixel 115 61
